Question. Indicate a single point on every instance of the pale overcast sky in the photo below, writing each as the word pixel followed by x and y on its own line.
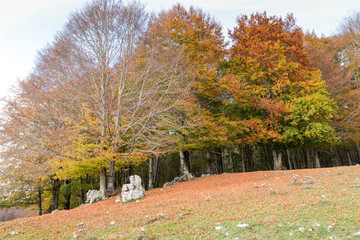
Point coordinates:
pixel 27 25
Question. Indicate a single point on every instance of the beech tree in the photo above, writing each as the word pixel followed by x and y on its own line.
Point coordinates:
pixel 197 36
pixel 270 68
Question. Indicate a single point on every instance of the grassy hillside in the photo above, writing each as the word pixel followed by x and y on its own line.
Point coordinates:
pixel 254 205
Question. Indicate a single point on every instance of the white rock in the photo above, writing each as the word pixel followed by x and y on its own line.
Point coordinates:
pixel 112 223
pixel 242 225
pixel 310 229
pixel 302 229
pixel 118 199
pixel 134 190
pixel 316 225
pixel 14 233
pixel 291 233
pixel 205 175
pixel 219 228
pixel 55 211
pixel 357 234
pixel 330 228
pixel 93 196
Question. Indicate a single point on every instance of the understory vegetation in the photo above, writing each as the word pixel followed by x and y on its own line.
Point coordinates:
pixel 120 92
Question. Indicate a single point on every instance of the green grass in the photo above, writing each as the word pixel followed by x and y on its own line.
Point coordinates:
pixel 294 212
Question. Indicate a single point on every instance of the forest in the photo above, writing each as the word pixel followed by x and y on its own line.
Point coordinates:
pixel 120 91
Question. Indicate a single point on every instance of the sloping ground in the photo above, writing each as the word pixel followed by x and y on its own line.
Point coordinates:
pixel 220 207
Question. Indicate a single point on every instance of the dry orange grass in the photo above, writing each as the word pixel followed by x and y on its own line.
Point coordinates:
pixel 193 209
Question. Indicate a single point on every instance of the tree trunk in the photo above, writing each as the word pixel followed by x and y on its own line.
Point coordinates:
pixel 39 200
pixel 55 190
pixel 103 182
pixel 289 158
pixel 308 158
pixel 317 160
pixel 184 168
pixel 151 174
pixel 67 195
pixel 242 150
pixel 254 157
pixel 277 157
pixel 349 157
pixel 231 161
pixel 82 190
pixel 111 178
pixel 219 162
pixel 358 151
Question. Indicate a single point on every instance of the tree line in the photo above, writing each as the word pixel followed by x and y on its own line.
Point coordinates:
pixel 121 91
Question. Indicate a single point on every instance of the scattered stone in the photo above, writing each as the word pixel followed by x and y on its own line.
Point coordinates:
pixel 81 232
pixel 208 198
pixel 256 186
pixel 134 190
pixel 322 202
pixel 112 223
pixel 357 165
pixel 219 228
pixel 159 217
pixel 118 199
pixel 14 233
pixel 291 233
pixel 273 191
pixel 205 175
pixel 356 181
pixel 167 184
pixel 55 211
pixel 287 172
pixel 310 229
pixel 143 235
pixel 263 185
pixel 93 196
pixel 357 234
pixel 295 180
pixel 309 180
pixel 302 229
pixel 242 225
pixel 183 178
pixel 330 228
pixel 182 215
pixel 316 225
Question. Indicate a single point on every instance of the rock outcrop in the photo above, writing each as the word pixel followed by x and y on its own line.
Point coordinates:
pixel 93 196
pixel 183 178
pixel 134 190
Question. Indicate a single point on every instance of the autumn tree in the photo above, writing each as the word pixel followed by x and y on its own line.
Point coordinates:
pixel 266 76
pixel 197 36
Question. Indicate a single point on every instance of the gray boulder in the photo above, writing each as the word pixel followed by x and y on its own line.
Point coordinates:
pixel 134 190
pixel 93 196
pixel 183 178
